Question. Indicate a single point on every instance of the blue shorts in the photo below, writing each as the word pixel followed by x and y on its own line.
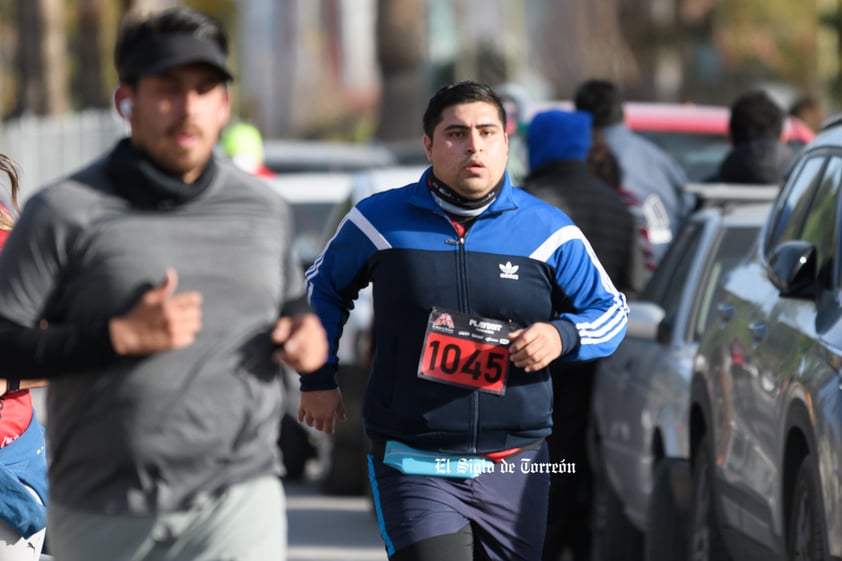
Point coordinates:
pixel 507 507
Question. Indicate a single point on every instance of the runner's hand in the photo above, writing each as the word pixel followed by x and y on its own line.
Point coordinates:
pixel 320 409
pixel 160 321
pixel 534 347
pixel 303 342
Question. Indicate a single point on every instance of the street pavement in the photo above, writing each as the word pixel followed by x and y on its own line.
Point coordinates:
pixel 320 527
pixel 330 528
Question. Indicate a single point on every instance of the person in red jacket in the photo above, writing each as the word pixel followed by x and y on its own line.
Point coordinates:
pixel 23 467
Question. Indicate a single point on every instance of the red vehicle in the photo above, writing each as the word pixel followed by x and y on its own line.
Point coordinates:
pixel 695 135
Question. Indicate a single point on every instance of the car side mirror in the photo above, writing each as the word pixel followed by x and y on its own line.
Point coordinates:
pixel 792 269
pixel 645 319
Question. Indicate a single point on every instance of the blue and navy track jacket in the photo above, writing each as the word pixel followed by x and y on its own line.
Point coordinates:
pixel 405 245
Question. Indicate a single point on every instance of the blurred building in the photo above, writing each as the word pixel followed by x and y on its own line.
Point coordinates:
pixel 308 67
pixel 313 66
pixel 304 65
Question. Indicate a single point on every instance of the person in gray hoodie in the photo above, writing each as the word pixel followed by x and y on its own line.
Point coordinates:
pixel 158 290
pixel 652 176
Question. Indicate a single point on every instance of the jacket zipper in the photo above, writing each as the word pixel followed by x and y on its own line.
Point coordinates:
pixel 464 306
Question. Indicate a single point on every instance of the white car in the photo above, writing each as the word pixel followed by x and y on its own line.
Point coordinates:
pixel 313 198
pixel 284 156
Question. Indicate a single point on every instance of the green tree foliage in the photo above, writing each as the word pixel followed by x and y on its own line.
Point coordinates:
pixel 763 40
pixel 224 10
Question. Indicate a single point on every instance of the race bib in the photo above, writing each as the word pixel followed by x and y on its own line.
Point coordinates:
pixel 465 350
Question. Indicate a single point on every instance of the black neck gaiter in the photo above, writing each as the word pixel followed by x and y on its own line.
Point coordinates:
pixel 140 181
pixel 454 203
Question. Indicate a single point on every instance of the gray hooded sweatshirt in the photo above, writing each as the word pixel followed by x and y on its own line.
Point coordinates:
pixel 171 430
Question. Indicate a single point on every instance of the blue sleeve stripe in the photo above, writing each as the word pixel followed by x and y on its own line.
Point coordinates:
pixel 368 229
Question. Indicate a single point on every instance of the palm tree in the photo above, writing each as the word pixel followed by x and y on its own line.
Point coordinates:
pixel 43 75
pixel 401 52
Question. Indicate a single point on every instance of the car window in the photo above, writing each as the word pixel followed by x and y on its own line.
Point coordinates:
pixel 698 153
pixel 733 245
pixel 820 224
pixel 796 144
pixel 793 205
pixel 310 220
pixel 670 277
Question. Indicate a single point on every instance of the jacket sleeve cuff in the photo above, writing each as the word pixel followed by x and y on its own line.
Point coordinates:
pixel 322 379
pixel 296 307
pixel 569 336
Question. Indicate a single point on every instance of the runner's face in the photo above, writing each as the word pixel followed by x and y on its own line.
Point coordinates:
pixel 177 117
pixel 469 148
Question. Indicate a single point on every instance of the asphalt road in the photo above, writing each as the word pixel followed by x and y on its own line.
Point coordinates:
pixel 329 528
pixel 320 527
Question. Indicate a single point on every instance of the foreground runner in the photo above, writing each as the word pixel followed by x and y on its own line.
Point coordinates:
pixel 478 286
pixel 154 288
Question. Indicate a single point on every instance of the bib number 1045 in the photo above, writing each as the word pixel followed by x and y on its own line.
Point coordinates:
pixel 464 362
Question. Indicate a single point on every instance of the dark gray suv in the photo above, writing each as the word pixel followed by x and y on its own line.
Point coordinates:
pixel 639 440
pixel 765 418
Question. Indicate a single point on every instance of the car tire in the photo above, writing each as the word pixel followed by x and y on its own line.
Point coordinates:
pixel 346 469
pixel 296 448
pixel 669 506
pixel 805 527
pixel 346 472
pixel 705 538
pixel 613 535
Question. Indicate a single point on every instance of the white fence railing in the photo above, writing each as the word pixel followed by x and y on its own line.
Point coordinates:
pixel 47 148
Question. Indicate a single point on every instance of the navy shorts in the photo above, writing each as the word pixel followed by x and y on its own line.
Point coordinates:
pixel 507 508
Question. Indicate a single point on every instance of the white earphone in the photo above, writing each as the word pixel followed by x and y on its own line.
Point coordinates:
pixel 126 108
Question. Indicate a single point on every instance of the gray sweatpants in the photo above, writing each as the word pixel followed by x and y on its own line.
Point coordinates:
pixel 246 523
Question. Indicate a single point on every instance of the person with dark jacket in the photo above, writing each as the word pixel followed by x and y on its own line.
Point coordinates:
pixel 558 143
pixel 757 155
pixel 477 287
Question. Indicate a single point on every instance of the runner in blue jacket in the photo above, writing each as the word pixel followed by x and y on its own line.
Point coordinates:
pixel 477 287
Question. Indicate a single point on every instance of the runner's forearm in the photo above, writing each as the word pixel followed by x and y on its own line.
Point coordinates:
pixel 31 353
